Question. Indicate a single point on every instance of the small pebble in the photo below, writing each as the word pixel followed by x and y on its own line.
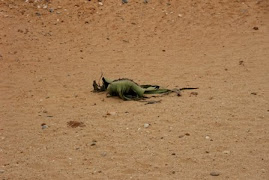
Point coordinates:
pixel 146 125
pixel 181 136
pixel 241 62
pixel 103 154
pixel 214 173
pixel 44 126
pixel 256 28
pixel 111 113
pixel 226 152
pixel 93 142
pixel 207 137
pixel 2 170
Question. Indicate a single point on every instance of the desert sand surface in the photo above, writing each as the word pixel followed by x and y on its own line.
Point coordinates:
pixel 52 126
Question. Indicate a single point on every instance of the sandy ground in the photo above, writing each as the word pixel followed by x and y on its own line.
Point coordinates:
pixel 50 52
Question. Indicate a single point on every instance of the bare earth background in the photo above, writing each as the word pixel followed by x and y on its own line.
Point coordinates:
pixel 50 52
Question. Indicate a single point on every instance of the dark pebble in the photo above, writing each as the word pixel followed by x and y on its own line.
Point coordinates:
pixel 214 173
pixel 93 142
pixel 241 62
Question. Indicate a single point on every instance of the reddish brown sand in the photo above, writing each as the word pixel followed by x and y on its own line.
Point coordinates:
pixel 49 60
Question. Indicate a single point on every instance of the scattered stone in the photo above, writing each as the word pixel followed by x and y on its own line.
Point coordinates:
pixel 187 134
pixel 241 63
pixel 45 111
pixel 75 124
pixel 124 1
pixel 44 126
pixel 38 14
pixel 179 15
pixel 2 171
pixel 207 137
pixel 173 154
pixel 100 3
pixel 253 93
pixel 256 28
pixel 181 136
pixel 51 10
pixel 214 173
pixel 146 125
